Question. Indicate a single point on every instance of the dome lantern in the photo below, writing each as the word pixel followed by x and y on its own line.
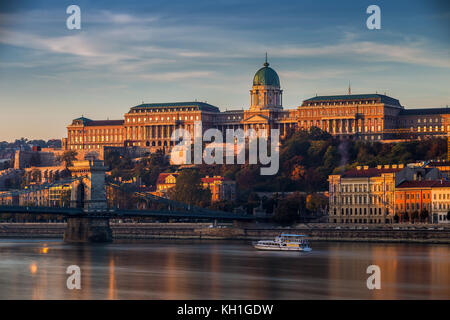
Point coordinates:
pixel 266 93
pixel 266 76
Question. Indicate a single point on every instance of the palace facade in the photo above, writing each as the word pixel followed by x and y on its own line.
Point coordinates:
pixel 370 117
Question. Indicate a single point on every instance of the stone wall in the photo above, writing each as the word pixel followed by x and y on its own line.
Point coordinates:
pixel 319 232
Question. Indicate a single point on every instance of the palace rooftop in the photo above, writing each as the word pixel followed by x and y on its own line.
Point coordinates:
pixel 190 106
pixel 359 98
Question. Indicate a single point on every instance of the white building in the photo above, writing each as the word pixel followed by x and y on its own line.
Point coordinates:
pixel 440 202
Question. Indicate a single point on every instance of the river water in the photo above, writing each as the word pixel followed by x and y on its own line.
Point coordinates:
pixel 195 269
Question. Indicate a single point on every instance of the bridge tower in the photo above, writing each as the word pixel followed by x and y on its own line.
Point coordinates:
pixel 88 193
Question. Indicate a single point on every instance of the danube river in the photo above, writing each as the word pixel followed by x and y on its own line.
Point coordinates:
pixel 195 269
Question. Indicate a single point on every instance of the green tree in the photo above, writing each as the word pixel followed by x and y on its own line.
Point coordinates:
pixel 189 189
pixel 331 157
pixel 316 202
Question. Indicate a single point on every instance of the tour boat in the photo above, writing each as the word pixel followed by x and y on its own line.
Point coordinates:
pixel 284 242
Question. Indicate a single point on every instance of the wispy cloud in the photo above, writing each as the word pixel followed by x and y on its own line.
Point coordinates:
pixel 180 75
pixel 372 51
pixel 210 50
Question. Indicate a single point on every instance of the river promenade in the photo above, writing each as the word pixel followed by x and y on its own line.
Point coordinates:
pixel 412 233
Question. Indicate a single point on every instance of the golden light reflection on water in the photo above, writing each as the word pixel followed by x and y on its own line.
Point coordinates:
pixel 407 271
pixel 33 268
pixel 173 288
pixel 176 270
pixel 112 292
pixel 215 274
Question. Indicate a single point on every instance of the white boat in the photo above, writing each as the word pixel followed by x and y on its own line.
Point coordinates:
pixel 284 242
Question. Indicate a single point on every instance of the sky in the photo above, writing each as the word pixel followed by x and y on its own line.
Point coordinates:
pixel 129 52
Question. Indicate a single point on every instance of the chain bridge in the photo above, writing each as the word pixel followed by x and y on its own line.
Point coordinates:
pixel 87 211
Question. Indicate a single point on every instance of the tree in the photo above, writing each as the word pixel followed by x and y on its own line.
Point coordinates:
pixel 189 190
pixel 331 157
pixel 396 218
pixel 223 205
pixel 290 209
pixel 68 157
pixel 112 158
pixel 424 215
pixel 405 216
pixel 316 202
pixel 414 216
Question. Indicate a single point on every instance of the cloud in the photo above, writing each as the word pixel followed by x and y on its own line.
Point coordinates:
pixel 178 75
pixel 108 17
pixel 372 51
pixel 134 45
pixel 77 45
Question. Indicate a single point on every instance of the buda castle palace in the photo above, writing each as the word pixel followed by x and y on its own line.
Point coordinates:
pixel 368 117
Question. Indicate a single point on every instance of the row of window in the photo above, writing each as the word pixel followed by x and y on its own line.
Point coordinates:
pixel 338 111
pixel 412 196
pixel 134 120
pixel 145 110
pixel 339 103
pixel 359 221
pixel 430 128
pixel 359 211
pixel 441 206
pixel 96 131
pixel 113 138
pixel 429 120
pixel 360 188
pixel 373 199
pixel 93 146
pixel 440 196
pixel 412 206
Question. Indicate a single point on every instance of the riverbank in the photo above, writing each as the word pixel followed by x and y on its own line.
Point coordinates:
pixel 412 233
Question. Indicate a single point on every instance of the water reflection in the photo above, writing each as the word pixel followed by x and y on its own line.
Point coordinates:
pixel 221 270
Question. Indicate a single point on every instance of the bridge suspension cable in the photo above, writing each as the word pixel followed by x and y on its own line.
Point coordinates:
pixel 171 203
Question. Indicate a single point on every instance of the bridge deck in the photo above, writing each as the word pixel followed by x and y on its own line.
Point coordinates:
pixel 122 213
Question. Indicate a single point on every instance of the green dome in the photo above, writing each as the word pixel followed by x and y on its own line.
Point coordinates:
pixel 266 76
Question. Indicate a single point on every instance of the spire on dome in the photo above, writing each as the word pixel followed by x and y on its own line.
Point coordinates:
pixel 266 64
